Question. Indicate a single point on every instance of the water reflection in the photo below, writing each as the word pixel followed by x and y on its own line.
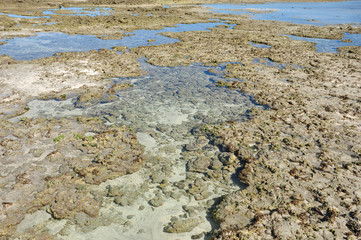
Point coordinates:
pixel 259 45
pixel 331 45
pixel 315 13
pixel 45 44
pixel 67 11
pixel 79 11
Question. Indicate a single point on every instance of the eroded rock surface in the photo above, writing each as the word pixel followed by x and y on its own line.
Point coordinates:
pixel 299 158
pixel 53 164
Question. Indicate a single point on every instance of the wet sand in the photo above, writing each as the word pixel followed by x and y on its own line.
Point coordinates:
pixel 295 155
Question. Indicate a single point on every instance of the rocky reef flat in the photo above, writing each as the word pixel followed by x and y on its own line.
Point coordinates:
pixel 238 132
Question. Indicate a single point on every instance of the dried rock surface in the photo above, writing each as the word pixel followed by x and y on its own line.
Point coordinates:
pixel 53 164
pixel 299 158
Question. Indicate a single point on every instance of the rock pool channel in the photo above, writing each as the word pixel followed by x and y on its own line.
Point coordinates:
pixel 45 44
pixel 184 174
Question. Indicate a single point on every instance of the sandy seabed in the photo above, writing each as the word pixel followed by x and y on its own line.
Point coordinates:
pixel 287 166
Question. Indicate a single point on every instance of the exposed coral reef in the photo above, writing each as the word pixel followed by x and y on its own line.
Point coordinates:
pixel 53 164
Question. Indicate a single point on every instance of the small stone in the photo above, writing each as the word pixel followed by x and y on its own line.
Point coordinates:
pixel 216 164
pixel 174 218
pixel 197 236
pixel 157 201
pixel 128 224
pixel 199 165
pixel 182 225
pixel 198 144
pixel 227 158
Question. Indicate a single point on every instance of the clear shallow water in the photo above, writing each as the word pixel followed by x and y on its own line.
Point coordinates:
pixel 315 13
pixel 21 16
pixel 270 63
pixel 79 11
pixel 71 11
pixel 260 45
pixel 165 108
pixel 190 90
pixel 331 45
pixel 45 44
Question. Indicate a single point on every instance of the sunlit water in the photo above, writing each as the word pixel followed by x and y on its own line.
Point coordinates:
pixel 45 44
pixel 315 13
pixel 331 45
pixel 165 107
pixel 79 11
pixel 67 11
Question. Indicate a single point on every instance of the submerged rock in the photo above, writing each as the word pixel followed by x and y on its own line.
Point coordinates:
pixel 227 158
pixel 158 200
pixel 182 225
pixel 198 144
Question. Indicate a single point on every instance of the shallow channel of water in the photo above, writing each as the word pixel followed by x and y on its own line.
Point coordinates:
pixel 331 45
pixel 45 44
pixel 67 11
pixel 79 11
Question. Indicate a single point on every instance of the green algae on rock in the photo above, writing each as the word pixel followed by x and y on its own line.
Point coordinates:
pixel 105 153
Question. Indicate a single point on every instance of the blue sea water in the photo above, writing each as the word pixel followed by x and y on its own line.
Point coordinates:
pixel 331 45
pixel 47 43
pixel 314 13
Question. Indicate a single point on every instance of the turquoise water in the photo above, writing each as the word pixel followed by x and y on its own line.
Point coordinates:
pixel 316 13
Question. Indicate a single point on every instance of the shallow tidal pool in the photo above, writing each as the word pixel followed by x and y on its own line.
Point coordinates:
pixel 166 108
pixel 45 44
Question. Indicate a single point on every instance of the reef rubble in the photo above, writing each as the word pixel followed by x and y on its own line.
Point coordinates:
pixel 296 160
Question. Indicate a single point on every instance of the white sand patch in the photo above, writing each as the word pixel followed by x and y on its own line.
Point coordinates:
pixel 146 140
pixel 50 108
pixel 32 220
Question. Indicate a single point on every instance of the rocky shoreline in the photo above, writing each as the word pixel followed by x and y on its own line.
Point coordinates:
pixel 297 161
